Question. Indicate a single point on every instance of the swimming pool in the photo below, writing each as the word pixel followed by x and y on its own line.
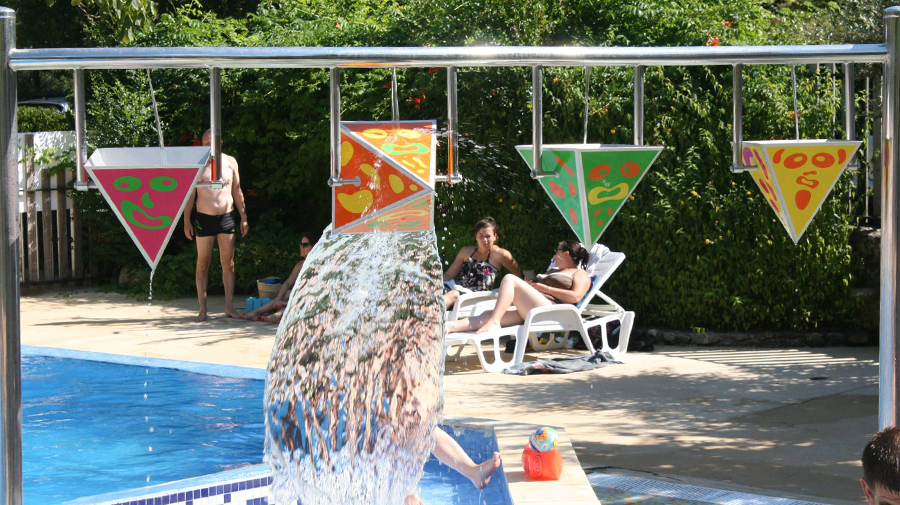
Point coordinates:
pixel 107 424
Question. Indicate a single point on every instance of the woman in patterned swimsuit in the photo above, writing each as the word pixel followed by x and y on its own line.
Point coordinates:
pixel 568 284
pixel 476 267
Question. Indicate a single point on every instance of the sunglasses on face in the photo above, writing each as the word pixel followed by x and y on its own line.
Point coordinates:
pixel 305 244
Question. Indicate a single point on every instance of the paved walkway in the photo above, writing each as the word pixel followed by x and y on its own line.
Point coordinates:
pixel 789 423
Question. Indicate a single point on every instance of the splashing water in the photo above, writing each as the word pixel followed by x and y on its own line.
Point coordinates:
pixel 353 389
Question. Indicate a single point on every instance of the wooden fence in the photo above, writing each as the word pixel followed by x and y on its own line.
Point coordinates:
pixel 51 246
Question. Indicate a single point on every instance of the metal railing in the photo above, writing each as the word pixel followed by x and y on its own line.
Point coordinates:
pixel 214 58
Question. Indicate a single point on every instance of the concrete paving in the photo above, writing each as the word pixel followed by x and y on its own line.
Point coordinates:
pixel 785 422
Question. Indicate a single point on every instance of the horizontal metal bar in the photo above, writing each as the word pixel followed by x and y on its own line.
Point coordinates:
pixel 739 169
pixel 217 184
pixel 336 182
pixel 449 179
pixel 484 56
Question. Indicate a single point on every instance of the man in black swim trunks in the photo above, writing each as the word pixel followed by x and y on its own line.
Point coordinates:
pixel 219 215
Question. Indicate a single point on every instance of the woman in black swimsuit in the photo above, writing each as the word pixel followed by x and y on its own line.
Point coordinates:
pixel 476 267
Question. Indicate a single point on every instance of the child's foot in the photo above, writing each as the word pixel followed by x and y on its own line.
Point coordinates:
pixel 232 314
pixel 201 316
pixel 414 499
pixel 482 475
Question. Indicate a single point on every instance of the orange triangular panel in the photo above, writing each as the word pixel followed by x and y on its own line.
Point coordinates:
pixel 407 144
pixel 416 214
pixel 382 184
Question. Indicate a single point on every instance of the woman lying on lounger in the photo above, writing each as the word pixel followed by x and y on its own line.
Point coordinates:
pixel 568 284
pixel 272 311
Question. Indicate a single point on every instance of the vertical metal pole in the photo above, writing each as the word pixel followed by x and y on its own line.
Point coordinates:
pixel 737 123
pixel 537 119
pixel 850 127
pixel 849 104
pixel 395 97
pixel 639 105
pixel 10 338
pixel 335 95
pixel 796 110
pixel 81 182
pixel 888 384
pixel 215 119
pixel 587 93
pixel 453 127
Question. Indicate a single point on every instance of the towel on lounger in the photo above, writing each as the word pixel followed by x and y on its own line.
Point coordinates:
pixel 599 359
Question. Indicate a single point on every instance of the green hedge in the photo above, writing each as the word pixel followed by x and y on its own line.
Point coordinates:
pixel 37 119
pixel 704 251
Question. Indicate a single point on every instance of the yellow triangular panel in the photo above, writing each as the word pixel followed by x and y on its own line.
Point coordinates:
pixel 802 173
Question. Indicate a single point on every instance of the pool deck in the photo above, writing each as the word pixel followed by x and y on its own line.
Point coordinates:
pixel 780 422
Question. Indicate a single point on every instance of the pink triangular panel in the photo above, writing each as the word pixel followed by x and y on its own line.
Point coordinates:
pixel 148 202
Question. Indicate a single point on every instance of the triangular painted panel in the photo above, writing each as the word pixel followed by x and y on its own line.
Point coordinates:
pixel 147 201
pixel 414 215
pixel 407 144
pixel 385 183
pixel 766 183
pixel 564 190
pixel 804 173
pixel 610 176
pixel 594 181
pixel 147 188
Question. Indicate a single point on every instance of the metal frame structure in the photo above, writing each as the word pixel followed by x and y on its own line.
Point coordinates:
pixel 14 60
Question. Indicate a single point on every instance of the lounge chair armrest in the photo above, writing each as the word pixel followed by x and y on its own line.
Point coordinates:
pixel 466 302
pixel 548 312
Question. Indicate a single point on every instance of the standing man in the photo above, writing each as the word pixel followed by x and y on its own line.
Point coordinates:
pixel 220 213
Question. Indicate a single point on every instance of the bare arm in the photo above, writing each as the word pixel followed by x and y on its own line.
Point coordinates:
pixel 508 262
pixel 457 264
pixel 188 227
pixel 238 196
pixel 581 283
pixel 288 285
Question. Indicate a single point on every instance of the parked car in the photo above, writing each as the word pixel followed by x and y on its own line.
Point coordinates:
pixel 59 103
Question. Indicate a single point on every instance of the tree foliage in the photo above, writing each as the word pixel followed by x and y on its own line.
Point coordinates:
pixel 123 19
pixel 704 249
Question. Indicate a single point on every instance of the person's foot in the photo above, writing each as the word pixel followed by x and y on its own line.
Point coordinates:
pixel 482 475
pixel 232 314
pixel 489 326
pixel 201 316
pixel 414 499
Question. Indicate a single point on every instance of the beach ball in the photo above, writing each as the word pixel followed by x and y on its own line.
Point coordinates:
pixel 544 439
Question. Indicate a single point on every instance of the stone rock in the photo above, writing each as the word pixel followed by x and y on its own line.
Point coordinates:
pixel 815 340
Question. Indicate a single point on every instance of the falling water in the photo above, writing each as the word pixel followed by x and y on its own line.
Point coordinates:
pixel 353 389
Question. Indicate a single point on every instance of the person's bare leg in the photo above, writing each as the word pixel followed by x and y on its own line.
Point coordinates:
pixel 468 324
pixel 271 306
pixel 450 298
pixel 448 451
pixel 201 274
pixel 226 257
pixel 513 292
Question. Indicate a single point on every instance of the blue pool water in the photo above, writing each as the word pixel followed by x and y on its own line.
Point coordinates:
pixel 91 427
pixel 95 427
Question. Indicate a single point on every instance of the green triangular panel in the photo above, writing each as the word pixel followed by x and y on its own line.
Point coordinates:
pixel 565 191
pixel 609 178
